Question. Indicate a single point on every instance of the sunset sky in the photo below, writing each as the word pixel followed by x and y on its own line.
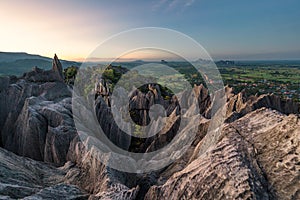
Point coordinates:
pixel 231 29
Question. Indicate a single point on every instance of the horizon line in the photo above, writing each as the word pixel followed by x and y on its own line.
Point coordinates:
pixel 99 59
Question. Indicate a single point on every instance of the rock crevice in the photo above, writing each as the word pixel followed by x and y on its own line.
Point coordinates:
pixel 256 156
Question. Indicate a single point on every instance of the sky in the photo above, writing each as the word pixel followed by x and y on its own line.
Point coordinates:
pixel 227 29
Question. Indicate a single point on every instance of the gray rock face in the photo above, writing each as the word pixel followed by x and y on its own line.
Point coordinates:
pixel 275 139
pixel 242 165
pixel 239 105
pixel 28 179
pixel 109 126
pixel 140 110
pixel 57 67
pixel 102 89
pixel 204 100
pixel 140 104
pixel 42 76
pixel 256 157
pixel 36 119
pixel 37 122
pixel 222 174
pixel 164 136
pixel 93 176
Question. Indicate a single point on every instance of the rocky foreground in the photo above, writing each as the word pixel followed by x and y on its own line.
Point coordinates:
pixel 257 155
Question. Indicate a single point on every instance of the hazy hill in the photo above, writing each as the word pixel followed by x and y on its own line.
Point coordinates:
pixel 18 63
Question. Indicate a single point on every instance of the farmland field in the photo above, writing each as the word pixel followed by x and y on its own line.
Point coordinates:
pixel 281 78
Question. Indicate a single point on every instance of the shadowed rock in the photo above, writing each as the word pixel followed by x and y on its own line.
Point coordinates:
pixel 99 180
pixel 25 178
pixel 57 67
pixel 109 126
pixel 256 157
pixel 37 121
pixel 36 117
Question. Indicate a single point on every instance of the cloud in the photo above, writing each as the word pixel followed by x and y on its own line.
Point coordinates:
pixel 158 4
pixel 169 5
pixel 173 4
pixel 189 3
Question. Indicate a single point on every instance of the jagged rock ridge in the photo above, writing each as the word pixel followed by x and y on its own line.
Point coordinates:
pixel 57 67
pixel 256 156
pixel 36 117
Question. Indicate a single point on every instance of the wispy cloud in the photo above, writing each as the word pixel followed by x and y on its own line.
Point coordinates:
pixel 173 4
pixel 169 5
pixel 158 4
pixel 189 3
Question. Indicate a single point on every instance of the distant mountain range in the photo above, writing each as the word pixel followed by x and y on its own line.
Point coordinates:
pixel 12 63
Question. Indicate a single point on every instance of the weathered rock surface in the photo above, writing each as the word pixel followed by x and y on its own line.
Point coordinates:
pixel 57 68
pixel 239 105
pixel 93 176
pixel 276 140
pixel 140 104
pixel 25 178
pixel 256 156
pixel 36 118
pixel 109 126
pixel 37 122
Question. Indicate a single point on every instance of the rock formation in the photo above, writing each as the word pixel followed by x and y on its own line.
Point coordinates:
pixel 36 118
pixel 109 126
pixel 57 67
pixel 239 105
pixel 22 177
pixel 256 156
pixel 242 165
pixel 102 89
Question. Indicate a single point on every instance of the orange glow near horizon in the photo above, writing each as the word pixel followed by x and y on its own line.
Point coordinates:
pixel 45 29
pixel 141 54
pixel 48 28
pixel 73 29
pixel 147 54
